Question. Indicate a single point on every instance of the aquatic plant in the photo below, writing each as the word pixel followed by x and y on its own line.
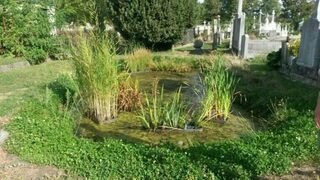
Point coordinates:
pixel 139 60
pixel 158 112
pixel 219 91
pixel 97 77
pixel 130 96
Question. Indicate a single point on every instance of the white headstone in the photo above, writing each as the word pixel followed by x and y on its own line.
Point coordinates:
pixel 273 16
pixel 240 4
pixel 318 10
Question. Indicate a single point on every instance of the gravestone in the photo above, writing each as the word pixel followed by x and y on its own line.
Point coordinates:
pixel 217 34
pixel 231 33
pixel 244 46
pixel 309 53
pixel 238 28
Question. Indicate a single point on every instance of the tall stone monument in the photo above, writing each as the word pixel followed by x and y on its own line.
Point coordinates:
pixel 309 53
pixel 238 28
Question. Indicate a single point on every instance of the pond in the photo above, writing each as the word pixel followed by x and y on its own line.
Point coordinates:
pixel 129 128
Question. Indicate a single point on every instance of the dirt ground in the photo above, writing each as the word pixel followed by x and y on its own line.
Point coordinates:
pixel 11 168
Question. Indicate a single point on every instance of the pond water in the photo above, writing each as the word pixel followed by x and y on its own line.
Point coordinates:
pixel 129 128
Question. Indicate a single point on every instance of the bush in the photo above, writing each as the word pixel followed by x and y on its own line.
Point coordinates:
pixel 155 24
pixel 25 31
pixel 294 47
pixel 36 56
pixel 274 59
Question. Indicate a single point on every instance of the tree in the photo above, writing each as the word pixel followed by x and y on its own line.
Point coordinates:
pixel 295 11
pixel 267 6
pixel 157 24
pixel 212 9
pixel 76 11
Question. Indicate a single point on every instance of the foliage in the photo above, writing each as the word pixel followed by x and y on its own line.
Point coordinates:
pixel 294 12
pixel 139 60
pixel 198 44
pixel 155 24
pixel 43 134
pixel 97 77
pixel 274 59
pixel 271 152
pixel 36 56
pixel 294 47
pixel 25 31
pixel 219 91
pixel 75 11
pixel 161 113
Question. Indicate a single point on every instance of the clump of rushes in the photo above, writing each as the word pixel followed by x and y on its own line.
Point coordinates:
pixel 139 60
pixel 158 113
pixel 97 77
pixel 219 92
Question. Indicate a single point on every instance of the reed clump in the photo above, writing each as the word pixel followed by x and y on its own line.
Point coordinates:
pixel 96 76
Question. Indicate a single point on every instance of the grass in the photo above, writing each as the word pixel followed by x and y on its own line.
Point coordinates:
pixel 97 77
pixel 219 91
pixel 17 86
pixel 206 46
pixel 139 60
pixel 9 60
pixel 160 113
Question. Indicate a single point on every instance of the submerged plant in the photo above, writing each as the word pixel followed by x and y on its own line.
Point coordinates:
pixel 139 60
pixel 97 77
pixel 219 91
pixel 156 112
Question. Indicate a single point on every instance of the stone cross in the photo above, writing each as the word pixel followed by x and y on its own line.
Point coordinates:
pixel 273 16
pixel 240 4
pixel 260 21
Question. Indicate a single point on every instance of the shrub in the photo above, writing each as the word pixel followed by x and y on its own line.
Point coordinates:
pixel 36 56
pixel 159 113
pixel 25 31
pixel 219 91
pixel 97 77
pixel 294 47
pixel 198 44
pixel 155 24
pixel 139 60
pixel 274 59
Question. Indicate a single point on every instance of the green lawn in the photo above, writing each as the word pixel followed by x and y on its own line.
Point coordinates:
pixel 19 85
pixel 9 60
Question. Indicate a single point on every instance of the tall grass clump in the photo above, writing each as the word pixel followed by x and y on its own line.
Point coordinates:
pixel 139 60
pixel 219 91
pixel 157 112
pixel 97 77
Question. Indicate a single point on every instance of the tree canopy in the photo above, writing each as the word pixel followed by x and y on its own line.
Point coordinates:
pixel 154 23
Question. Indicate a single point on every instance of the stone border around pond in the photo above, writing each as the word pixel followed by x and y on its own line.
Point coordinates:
pixel 9 67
